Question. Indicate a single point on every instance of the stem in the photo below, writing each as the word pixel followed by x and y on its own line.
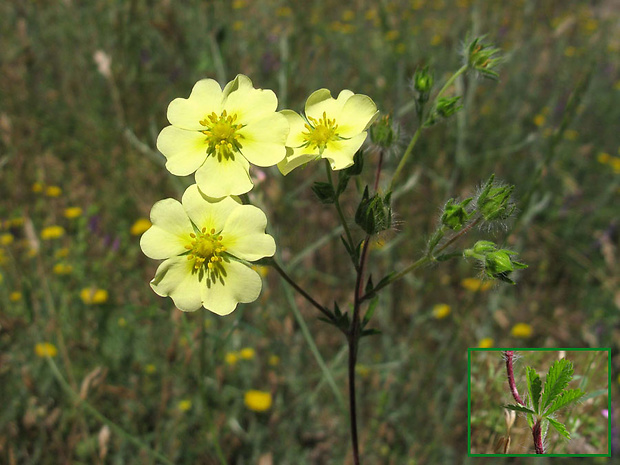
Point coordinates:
pixel 449 82
pixel 347 231
pixel 93 411
pixel 298 288
pixel 538 442
pixel 379 166
pixel 509 355
pixel 403 160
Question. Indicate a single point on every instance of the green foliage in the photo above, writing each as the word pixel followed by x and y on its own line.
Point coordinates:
pixel 519 408
pixel 560 428
pixel 534 387
pixel 564 399
pixel 558 377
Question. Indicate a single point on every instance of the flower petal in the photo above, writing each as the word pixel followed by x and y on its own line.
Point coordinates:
pixel 340 153
pixel 244 234
pixel 298 125
pixel 207 212
pixel 263 142
pixel 229 177
pixel 206 97
pixel 184 150
pixel 169 233
pixel 251 104
pixel 239 284
pixel 357 115
pixel 294 159
pixel 175 278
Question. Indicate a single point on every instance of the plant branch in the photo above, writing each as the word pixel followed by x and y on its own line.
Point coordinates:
pixel 345 226
pixel 509 356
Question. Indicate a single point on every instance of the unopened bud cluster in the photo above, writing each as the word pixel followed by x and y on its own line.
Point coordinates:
pixel 374 214
pixel 482 57
pixel 497 263
pixel 494 202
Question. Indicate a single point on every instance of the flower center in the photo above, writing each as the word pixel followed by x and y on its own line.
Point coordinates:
pixel 320 132
pixel 222 135
pixel 205 249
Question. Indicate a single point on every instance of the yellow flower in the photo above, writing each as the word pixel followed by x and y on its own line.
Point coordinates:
pixel 474 284
pixel 218 133
pixel 62 268
pixel 539 120
pixel 333 129
pixel 274 360
pixel 615 164
pixel 521 330
pixel 122 322
pixel 45 349
pixel 441 311
pixel 37 187
pixel 258 401
pixel 603 158
pixel 247 353
pixel 6 239
pixel 92 296
pixel 486 343
pixel 141 225
pixel 61 253
pixel 238 25
pixel 185 405
pixel 571 134
pixel 15 296
pixel 73 212
pixel 362 370
pixel 53 191
pixel 150 369
pixel 52 232
pixel 202 243
pixel 231 358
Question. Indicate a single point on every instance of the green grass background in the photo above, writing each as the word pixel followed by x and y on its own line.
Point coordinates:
pixel 63 123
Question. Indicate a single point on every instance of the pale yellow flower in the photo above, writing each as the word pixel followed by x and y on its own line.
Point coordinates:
pixel 258 401
pixel 206 245
pixel 247 353
pixel 6 239
pixel 62 268
pixel 73 212
pixel 333 129
pixel 91 296
pixel 218 133
pixel 603 158
pixel 521 330
pixel 441 311
pixel 140 226
pixel 185 405
pixel 37 187
pixel 52 232
pixel 231 358
pixel 45 349
pixel 486 343
pixel 61 253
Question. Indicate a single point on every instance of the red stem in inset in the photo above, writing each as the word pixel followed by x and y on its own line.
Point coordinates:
pixel 538 442
pixel 509 355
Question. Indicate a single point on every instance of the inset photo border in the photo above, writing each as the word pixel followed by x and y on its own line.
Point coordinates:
pixel 527 402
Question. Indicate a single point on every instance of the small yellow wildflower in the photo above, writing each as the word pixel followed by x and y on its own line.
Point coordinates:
pixel 53 191
pixel 6 239
pixel 62 268
pixel 370 14
pixel 486 343
pixel 521 330
pixel 238 4
pixel 436 40
pixel 185 405
pixel 45 349
pixel 571 134
pixel 15 296
pixel 37 187
pixel 73 212
pixel 362 370
pixel 539 120
pixel 150 369
pixel 475 284
pixel 52 232
pixel 94 296
pixel 231 358
pixel 247 353
pixel 61 253
pixel 258 401
pixel 441 311
pixel 274 360
pixel 603 158
pixel 615 164
pixel 141 225
pixel 16 222
pixel 122 322
pixel 591 25
pixel 238 25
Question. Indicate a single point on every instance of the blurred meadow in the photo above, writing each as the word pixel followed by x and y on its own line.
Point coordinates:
pixel 84 87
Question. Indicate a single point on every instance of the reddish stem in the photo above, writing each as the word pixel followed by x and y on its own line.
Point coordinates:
pixel 509 355
pixel 537 433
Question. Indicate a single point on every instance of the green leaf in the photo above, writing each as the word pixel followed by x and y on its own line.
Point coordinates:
pixel 530 420
pixel 565 399
pixel 519 408
pixel 559 427
pixel 369 332
pixel 534 386
pixel 560 374
pixel 325 192
pixel 371 310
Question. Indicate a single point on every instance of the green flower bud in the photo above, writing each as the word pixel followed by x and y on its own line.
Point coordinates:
pixel 494 202
pixel 325 192
pixel 499 265
pixel 382 133
pixel 444 108
pixel 423 81
pixel 374 214
pixel 483 57
pixel 455 214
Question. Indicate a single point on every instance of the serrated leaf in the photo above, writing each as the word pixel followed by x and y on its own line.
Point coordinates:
pixel 560 374
pixel 560 428
pixel 530 420
pixel 519 408
pixel 534 387
pixel 565 399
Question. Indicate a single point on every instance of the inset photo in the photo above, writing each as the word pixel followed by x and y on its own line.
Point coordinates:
pixel 529 402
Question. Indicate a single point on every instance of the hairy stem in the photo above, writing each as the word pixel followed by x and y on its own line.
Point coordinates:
pixel 509 356
pixel 347 231
pixel 538 442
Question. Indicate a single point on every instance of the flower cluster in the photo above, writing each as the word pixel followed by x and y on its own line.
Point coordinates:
pixel 208 239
